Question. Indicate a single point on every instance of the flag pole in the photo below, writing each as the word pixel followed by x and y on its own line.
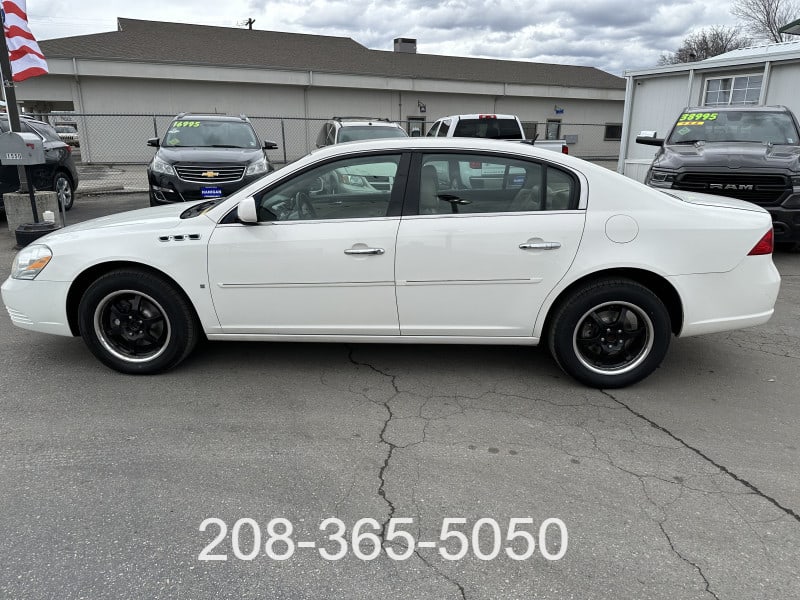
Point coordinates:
pixel 10 95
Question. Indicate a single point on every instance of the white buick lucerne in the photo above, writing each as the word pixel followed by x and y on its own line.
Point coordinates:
pixel 461 240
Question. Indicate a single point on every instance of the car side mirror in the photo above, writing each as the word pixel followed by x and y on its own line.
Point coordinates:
pixel 648 138
pixel 154 142
pixel 270 145
pixel 247 212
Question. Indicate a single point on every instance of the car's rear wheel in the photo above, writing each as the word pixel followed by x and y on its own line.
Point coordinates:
pixel 65 192
pixel 610 334
pixel 137 322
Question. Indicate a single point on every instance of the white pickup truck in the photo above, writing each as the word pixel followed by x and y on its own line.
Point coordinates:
pixel 497 127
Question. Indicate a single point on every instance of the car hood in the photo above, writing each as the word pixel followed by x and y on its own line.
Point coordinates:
pixel 209 155
pixel 713 200
pixel 729 155
pixel 157 218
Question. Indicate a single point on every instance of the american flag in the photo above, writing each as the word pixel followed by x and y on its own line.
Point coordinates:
pixel 26 58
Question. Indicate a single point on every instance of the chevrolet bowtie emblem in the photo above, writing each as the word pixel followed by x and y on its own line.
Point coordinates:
pixel 210 174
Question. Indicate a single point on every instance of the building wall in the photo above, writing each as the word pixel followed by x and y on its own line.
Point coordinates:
pixel 297 100
pixel 784 82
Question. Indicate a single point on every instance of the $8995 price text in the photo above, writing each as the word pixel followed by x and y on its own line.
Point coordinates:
pixel 485 538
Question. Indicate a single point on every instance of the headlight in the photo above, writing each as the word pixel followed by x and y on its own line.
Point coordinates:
pixel 661 179
pixel 161 166
pixel 260 166
pixel 30 261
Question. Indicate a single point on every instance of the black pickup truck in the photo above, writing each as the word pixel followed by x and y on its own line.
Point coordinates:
pixel 746 152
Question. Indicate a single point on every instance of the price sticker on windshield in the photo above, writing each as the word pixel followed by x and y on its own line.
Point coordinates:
pixel 186 124
pixel 695 118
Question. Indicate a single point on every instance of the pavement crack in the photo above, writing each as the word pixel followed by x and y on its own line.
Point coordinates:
pixel 686 560
pixel 442 575
pixel 708 459
pixel 382 437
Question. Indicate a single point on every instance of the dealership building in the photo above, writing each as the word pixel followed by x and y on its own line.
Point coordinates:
pixel 161 69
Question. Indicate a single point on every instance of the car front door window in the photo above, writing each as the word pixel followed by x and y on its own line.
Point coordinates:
pixel 355 188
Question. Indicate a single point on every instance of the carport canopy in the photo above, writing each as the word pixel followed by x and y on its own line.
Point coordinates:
pixel 792 28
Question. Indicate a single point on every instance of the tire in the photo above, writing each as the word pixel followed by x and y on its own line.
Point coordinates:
pixel 64 189
pixel 636 337
pixel 158 330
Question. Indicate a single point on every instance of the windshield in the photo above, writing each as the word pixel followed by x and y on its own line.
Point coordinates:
pixel 734 126
pixel 210 134
pixel 369 132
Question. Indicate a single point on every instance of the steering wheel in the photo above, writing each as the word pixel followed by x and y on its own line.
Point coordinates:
pixel 303 206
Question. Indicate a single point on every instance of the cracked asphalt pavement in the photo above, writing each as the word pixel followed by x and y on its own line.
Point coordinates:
pixel 686 486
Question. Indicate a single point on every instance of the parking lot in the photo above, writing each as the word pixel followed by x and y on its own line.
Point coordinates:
pixel 686 485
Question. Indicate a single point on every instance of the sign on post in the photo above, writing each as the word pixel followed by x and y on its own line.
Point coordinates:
pixel 18 148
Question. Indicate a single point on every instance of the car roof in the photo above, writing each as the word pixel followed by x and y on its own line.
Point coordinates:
pixel 429 144
pixel 479 116
pixel 740 107
pixel 211 117
pixel 370 122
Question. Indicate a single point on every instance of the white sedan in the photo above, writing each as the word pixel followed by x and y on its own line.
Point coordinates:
pixel 469 242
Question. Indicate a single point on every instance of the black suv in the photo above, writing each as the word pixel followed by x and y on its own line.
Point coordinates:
pixel 58 173
pixel 746 152
pixel 205 156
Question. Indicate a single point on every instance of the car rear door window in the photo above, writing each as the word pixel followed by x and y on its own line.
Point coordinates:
pixel 46 131
pixel 476 183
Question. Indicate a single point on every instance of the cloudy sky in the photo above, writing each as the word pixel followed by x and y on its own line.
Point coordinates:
pixel 613 35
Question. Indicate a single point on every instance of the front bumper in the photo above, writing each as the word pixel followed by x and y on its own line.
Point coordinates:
pixel 37 305
pixel 167 189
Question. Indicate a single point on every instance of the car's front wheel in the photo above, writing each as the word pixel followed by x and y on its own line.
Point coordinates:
pixel 65 192
pixel 609 334
pixel 137 322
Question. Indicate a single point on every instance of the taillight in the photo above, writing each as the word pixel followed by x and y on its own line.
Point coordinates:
pixel 764 246
pixel 564 149
pixel 69 149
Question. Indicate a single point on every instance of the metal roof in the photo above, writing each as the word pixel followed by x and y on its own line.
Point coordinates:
pixel 752 54
pixel 170 43
pixel 765 50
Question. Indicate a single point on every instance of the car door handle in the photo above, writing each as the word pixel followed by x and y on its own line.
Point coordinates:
pixel 363 251
pixel 540 246
pixel 453 199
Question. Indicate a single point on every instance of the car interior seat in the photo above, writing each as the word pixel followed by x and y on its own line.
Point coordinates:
pixel 528 197
pixel 429 203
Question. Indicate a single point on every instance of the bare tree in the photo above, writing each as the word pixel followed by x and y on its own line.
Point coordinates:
pixel 764 18
pixel 706 43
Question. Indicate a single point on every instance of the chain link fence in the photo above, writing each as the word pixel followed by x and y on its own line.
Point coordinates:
pixel 112 152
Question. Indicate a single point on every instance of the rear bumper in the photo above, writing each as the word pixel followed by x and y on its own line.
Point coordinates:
pixel 742 297
pixel 37 305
